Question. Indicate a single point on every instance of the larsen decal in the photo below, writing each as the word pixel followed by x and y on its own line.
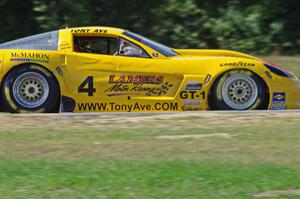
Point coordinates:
pixel 136 79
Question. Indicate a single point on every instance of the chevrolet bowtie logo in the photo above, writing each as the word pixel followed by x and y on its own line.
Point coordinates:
pixel 279 97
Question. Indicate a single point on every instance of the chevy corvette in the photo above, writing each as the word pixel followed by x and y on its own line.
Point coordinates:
pixel 103 69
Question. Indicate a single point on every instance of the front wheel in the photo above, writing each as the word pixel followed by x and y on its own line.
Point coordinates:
pixel 239 90
pixel 30 88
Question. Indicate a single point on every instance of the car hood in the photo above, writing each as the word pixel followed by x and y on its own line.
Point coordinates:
pixel 214 53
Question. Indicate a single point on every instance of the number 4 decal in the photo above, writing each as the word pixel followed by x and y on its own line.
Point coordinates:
pixel 87 86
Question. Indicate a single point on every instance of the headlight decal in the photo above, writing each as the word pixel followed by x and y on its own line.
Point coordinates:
pixel 279 71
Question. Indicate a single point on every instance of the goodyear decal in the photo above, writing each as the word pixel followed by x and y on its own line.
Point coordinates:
pixel 279 97
pixel 237 64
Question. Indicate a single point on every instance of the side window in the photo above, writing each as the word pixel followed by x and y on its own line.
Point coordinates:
pixel 130 49
pixel 96 45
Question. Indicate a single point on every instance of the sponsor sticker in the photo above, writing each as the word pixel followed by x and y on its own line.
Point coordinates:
pixel 278 106
pixel 187 108
pixel 136 107
pixel 192 86
pixel 89 30
pixel 279 97
pixel 64 46
pixel 191 103
pixel 124 89
pixel 29 57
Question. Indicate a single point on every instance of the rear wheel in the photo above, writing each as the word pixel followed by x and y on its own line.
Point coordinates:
pixel 239 90
pixel 30 88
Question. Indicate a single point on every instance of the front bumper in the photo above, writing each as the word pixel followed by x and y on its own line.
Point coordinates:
pixel 284 94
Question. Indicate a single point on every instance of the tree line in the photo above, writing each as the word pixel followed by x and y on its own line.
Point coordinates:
pixel 253 26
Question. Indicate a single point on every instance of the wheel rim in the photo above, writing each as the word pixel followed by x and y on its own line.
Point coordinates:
pixel 239 91
pixel 31 90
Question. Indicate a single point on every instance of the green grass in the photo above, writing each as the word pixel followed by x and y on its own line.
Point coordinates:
pixel 142 179
pixel 120 156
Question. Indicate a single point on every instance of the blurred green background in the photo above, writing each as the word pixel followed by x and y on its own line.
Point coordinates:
pixel 252 26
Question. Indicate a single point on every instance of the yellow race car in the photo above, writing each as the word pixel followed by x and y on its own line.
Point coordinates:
pixel 102 69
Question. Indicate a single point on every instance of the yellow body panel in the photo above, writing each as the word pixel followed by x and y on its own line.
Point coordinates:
pixel 155 84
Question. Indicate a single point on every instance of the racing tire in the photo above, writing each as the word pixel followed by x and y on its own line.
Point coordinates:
pixel 239 90
pixel 30 89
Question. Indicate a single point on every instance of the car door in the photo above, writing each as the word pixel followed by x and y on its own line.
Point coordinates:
pixel 88 69
pixel 140 77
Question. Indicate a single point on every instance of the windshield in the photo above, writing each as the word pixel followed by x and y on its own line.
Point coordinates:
pixel 165 50
pixel 44 41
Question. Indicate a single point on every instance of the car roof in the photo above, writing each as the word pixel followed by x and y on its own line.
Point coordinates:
pixel 95 29
pixel 49 40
